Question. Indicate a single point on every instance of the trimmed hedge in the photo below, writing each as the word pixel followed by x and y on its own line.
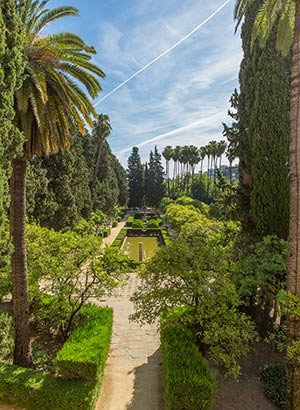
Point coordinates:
pixel 41 391
pixel 188 383
pixel 153 223
pixel 130 220
pixel 138 224
pixel 84 354
pixel 120 238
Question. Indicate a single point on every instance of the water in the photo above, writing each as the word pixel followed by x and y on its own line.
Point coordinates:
pixel 131 246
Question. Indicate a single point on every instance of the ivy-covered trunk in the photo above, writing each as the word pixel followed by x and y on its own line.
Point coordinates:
pixel 22 352
pixel 293 280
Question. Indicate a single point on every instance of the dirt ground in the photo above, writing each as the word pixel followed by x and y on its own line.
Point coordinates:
pixel 247 393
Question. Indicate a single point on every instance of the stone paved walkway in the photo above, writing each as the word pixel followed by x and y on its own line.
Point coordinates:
pixel 133 376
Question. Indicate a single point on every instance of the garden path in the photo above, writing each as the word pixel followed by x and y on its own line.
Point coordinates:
pixel 133 376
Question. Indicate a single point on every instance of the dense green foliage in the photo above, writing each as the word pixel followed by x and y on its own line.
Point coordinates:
pixel 59 192
pixel 263 140
pixel 154 178
pixel 135 174
pixel 42 391
pixel 273 378
pixel 188 382
pixel 84 354
pixel 195 271
pixel 11 70
pixel 72 269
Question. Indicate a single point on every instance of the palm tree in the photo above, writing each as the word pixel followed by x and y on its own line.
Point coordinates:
pixel 287 14
pixel 102 129
pixel 49 105
pixel 202 153
pixel 221 148
pixel 167 154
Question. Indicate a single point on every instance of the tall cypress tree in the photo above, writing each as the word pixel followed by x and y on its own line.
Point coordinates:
pixel 263 111
pixel 11 70
pixel 154 179
pixel 135 175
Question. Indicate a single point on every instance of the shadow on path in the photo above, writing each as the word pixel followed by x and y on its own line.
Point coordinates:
pixel 148 391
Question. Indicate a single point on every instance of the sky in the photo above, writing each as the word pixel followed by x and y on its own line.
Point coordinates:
pixel 181 98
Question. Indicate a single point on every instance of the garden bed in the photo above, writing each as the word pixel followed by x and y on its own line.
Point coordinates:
pixel 79 370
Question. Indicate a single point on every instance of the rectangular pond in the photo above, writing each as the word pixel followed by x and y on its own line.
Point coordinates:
pixel 148 244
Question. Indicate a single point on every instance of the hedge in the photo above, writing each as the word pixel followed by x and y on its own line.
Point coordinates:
pixel 84 354
pixel 42 391
pixel 120 238
pixel 273 377
pixel 130 220
pixel 138 223
pixel 188 382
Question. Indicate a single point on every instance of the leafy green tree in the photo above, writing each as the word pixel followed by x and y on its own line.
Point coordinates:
pixel 261 274
pixel 49 106
pixel 199 188
pixel 288 37
pixel 194 271
pixel 135 175
pixel 69 268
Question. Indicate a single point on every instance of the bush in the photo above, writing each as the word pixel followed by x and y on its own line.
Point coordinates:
pixel 115 223
pixel 188 382
pixel 84 354
pixel 119 239
pixel 106 232
pixel 273 378
pixel 130 220
pixel 138 224
pixel 41 391
pixel 153 223
pixel 6 336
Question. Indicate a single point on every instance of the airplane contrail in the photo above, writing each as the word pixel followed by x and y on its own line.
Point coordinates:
pixel 164 53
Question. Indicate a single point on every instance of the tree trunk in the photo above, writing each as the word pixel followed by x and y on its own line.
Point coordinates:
pixel 293 279
pixel 22 352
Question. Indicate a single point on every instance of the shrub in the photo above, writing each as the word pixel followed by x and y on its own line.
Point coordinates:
pixel 119 239
pixel 188 382
pixel 115 223
pixel 138 223
pixel 273 378
pixel 153 223
pixel 84 354
pixel 41 391
pixel 106 232
pixel 6 336
pixel 130 220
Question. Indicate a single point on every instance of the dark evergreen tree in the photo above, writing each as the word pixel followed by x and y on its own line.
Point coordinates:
pixel 11 70
pixel 135 175
pixel 263 110
pixel 121 181
pixel 154 180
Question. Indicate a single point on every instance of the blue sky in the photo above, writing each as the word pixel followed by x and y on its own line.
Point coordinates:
pixel 182 98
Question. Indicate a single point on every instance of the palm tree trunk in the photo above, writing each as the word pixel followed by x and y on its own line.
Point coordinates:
pixel 22 352
pixel 293 279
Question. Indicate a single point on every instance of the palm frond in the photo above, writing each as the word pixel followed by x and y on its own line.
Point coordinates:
pixel 285 27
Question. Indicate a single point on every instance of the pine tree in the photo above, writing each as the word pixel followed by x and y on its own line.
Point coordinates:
pixel 263 111
pixel 135 175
